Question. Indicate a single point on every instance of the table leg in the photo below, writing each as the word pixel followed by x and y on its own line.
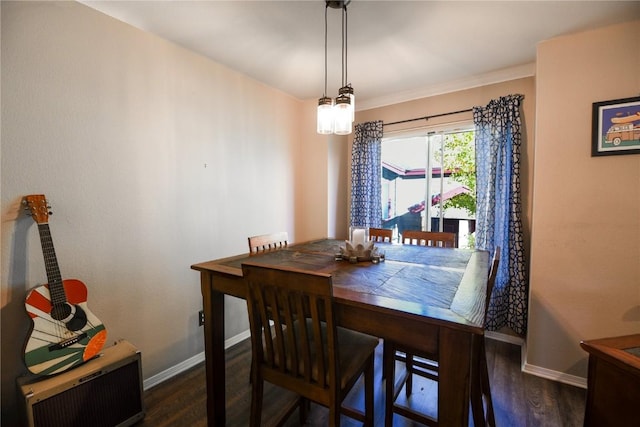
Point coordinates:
pixel 453 383
pixel 213 307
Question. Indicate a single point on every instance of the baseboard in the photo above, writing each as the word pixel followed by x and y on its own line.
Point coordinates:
pixel 172 371
pixel 555 375
pixel 198 358
pixel 536 370
pixel 189 363
pixel 499 336
pixel 511 339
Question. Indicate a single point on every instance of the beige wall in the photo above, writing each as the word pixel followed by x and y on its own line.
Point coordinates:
pixel 321 164
pixel 154 158
pixel 585 264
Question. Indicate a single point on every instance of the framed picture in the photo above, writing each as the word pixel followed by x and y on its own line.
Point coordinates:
pixel 616 127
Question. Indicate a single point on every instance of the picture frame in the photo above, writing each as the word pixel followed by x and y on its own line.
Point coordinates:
pixel 616 127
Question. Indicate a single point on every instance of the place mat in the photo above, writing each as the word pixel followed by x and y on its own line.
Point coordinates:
pixel 326 246
pixel 287 258
pixel 457 258
pixel 454 258
pixel 438 285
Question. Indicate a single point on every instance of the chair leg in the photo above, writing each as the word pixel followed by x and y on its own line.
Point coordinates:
pixel 385 354
pixel 368 393
pixel 476 402
pixel 334 414
pixel 477 407
pixel 389 364
pixel 257 389
pixel 409 366
pixel 486 387
pixel 390 385
pixel 481 401
pixel 303 410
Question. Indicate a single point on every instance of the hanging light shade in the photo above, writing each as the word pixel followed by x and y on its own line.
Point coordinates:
pixel 325 116
pixel 348 91
pixel 336 117
pixel 342 115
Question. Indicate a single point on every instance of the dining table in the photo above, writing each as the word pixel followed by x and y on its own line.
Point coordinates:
pixel 428 299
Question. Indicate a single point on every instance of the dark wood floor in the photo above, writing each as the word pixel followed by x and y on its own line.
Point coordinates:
pixel 519 399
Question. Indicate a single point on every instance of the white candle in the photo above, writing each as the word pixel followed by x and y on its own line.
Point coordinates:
pixel 358 236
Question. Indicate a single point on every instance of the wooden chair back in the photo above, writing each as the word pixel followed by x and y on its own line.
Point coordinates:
pixel 480 391
pixel 298 303
pixel 493 272
pixel 429 238
pixel 380 234
pixel 267 242
pixel 300 350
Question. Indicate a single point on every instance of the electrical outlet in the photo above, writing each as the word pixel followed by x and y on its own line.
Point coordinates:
pixel 200 318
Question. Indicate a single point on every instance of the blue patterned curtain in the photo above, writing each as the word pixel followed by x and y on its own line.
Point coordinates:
pixel 498 140
pixel 366 171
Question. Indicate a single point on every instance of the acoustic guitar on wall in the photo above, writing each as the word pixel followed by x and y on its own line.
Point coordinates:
pixel 64 332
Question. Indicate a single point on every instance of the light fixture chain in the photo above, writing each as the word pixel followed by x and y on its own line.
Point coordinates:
pixel 343 10
pixel 336 116
pixel 346 32
pixel 325 50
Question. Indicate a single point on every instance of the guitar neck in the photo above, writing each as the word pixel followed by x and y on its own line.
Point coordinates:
pixel 54 277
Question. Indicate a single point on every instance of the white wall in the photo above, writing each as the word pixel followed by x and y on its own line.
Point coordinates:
pixel 585 261
pixel 153 158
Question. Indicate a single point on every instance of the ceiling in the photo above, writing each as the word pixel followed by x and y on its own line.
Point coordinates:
pixel 397 50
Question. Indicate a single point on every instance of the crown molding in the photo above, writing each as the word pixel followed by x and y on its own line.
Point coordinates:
pixel 499 76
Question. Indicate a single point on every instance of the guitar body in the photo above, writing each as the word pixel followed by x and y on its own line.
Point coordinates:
pixel 53 347
pixel 64 333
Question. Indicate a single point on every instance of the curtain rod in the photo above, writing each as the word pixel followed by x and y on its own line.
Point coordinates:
pixel 428 117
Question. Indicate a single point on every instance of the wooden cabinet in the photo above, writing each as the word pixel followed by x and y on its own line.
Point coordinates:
pixel 613 394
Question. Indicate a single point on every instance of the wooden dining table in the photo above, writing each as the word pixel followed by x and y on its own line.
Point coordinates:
pixel 428 299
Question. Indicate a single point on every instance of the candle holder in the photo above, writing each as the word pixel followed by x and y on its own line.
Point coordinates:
pixel 354 253
pixel 358 235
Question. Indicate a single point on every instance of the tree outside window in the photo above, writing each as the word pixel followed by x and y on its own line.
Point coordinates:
pixel 450 188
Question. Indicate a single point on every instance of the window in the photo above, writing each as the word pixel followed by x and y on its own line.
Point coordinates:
pixel 449 188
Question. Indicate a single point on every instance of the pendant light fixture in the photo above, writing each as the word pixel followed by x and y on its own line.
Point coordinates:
pixel 325 104
pixel 337 117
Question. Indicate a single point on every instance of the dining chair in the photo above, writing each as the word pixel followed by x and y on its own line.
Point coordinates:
pixel 380 234
pixel 421 238
pixel 429 238
pixel 304 350
pixel 265 242
pixel 426 366
pixel 480 387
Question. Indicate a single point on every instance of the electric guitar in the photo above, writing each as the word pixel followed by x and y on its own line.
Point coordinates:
pixel 64 332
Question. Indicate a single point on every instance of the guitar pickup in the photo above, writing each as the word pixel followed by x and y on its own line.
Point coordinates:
pixel 66 343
